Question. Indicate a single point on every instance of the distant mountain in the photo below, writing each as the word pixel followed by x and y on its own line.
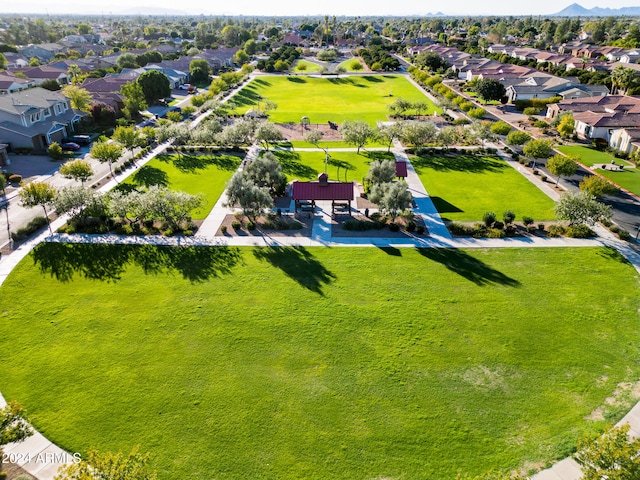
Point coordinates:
pixel 575 10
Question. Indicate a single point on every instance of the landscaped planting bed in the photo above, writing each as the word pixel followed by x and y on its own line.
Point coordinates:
pixel 342 363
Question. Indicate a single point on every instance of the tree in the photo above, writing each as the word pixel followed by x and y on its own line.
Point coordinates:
pixel 241 57
pixel 75 72
pixel 381 171
pixel 79 170
pixel 611 456
pixel 109 466
pixel 390 132
pixel 501 128
pixel 38 194
pixel 357 132
pixel 129 137
pixel 199 70
pixel 391 197
pixel 102 114
pixel 106 152
pixel 490 89
pixel 598 186
pixel 430 60
pixel 252 199
pixel 281 66
pixel 126 60
pixel 566 125
pixel 268 134
pixel 581 208
pixel 55 151
pixel 399 106
pixel 155 85
pixel 3 61
pixel 73 200
pixel 134 100
pixel 517 137
pixel 50 84
pixel 356 65
pixel 13 427
pixel 561 166
pixel 266 171
pixel 237 134
pixel 538 149
pixel 80 97
pixel 314 137
pixel 418 134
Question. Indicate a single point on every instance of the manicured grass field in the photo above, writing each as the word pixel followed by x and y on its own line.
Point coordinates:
pixel 465 187
pixel 343 166
pixel 305 66
pixel 341 363
pixel 206 174
pixel 347 65
pixel 628 178
pixel 333 144
pixel 323 99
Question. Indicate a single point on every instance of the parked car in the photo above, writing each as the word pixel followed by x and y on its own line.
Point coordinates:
pixel 70 147
pixel 186 86
pixel 80 139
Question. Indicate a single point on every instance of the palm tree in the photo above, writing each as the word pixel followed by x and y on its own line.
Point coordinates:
pixel 75 72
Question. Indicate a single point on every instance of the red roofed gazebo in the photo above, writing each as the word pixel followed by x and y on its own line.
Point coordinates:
pixel 307 193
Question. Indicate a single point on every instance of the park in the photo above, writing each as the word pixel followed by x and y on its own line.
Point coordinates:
pixel 231 361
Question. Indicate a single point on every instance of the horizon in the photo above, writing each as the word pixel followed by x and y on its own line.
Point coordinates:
pixel 284 8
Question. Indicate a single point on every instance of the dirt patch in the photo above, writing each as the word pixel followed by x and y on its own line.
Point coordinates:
pixel 292 131
pixel 262 226
pixel 622 398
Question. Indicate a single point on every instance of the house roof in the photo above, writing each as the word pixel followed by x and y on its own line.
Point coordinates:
pixel 20 102
pixel 618 119
pixel 319 191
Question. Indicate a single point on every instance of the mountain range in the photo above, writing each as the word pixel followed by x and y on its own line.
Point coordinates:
pixel 575 10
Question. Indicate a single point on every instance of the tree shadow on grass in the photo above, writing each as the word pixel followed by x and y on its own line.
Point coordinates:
pixel 291 165
pixel 247 96
pixel 392 251
pixel 297 79
pixel 443 206
pixel 193 163
pixel 459 163
pixel 107 263
pixel 369 78
pixel 469 267
pixel 613 254
pixel 377 155
pixel 299 265
pixel 148 176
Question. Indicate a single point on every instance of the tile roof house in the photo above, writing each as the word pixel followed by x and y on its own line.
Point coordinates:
pixel 11 84
pixel 43 72
pixel 36 117
pixel 541 85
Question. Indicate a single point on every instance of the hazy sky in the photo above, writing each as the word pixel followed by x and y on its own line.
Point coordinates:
pixel 290 7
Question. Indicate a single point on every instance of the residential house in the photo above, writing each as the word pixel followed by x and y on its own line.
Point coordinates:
pixel 11 84
pixel 541 85
pixel 44 52
pixel 16 60
pixel 625 139
pixel 176 77
pixel 35 118
pixel 43 72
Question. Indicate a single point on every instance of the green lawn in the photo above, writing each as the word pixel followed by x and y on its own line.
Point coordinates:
pixel 465 187
pixel 322 363
pixel 347 65
pixel 628 178
pixel 323 99
pixel 308 165
pixel 305 66
pixel 206 174
pixel 334 144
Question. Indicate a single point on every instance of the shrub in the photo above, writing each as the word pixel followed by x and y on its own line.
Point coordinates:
pixel 459 229
pixel 556 230
pixel 501 128
pixel 461 121
pixel 358 225
pixel 394 227
pixel 488 218
pixel 251 225
pixel 498 225
pixel 236 225
pixel 579 231
pixel 509 216
pixel 223 229
pixel 527 221
pixel 411 226
pixel 495 233
pixel 420 229
pixel 477 113
pixel 466 106
pixel 541 124
pixel 543 178
pixel 32 227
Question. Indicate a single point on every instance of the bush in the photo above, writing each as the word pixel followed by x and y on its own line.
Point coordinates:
pixel 411 226
pixel 359 225
pixel 543 178
pixel 531 111
pixel 541 124
pixel 501 128
pixel 620 232
pixel 477 113
pixel 579 231
pixel 489 218
pixel 394 227
pixel 498 225
pixel 461 121
pixel 251 225
pixel 223 229
pixel 32 227
pixel 459 229
pixel 495 233
pixel 420 229
pixel 509 216
pixel 556 230
pixel 236 225
pixel 527 221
